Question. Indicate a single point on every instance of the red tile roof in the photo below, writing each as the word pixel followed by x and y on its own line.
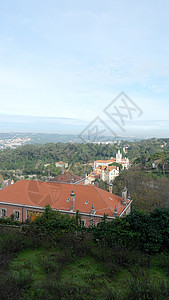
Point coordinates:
pixel 41 193
pixel 109 168
pixel 123 160
pixel 67 177
pixel 106 161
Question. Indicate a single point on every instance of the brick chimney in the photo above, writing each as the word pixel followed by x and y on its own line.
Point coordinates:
pixel 72 204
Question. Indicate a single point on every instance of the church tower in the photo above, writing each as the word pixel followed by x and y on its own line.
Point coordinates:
pixel 118 157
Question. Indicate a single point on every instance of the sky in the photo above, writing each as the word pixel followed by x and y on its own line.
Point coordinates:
pixel 68 60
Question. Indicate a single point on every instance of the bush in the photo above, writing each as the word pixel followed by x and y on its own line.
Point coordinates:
pixel 139 231
pixel 142 287
pixel 57 290
pixel 9 221
pixel 51 221
pixel 13 286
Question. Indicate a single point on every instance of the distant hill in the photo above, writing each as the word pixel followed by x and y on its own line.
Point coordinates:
pixel 15 139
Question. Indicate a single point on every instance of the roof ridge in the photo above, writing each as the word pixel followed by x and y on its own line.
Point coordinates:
pixel 103 199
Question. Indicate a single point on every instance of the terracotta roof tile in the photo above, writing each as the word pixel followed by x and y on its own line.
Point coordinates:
pixel 67 177
pixel 37 193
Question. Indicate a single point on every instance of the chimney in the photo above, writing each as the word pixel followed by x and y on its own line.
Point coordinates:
pixel 129 197
pixel 72 197
pixel 72 179
pixel 111 187
pixel 124 196
pixel 92 212
pixel 115 212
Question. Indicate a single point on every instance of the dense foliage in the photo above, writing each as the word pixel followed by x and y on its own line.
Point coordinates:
pixel 31 157
pixel 52 221
pixel 147 190
pixel 145 232
pixel 133 246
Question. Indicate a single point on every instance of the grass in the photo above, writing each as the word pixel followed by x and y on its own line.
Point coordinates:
pixel 83 272
pixel 159 269
pixel 28 260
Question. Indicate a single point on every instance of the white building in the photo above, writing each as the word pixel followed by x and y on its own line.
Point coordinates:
pixel 109 173
pixel 122 161
pixel 61 164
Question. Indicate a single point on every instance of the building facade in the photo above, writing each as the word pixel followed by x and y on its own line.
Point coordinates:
pixel 27 199
pixel 109 173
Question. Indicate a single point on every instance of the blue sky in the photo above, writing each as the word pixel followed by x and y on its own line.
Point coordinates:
pixel 70 59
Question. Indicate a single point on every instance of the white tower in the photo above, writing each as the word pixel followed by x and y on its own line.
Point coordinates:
pixel 118 157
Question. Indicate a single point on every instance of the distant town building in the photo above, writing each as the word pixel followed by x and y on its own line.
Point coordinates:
pixel 90 179
pixel 6 183
pixel 61 164
pixel 105 173
pixel 109 173
pixel 46 165
pixel 125 149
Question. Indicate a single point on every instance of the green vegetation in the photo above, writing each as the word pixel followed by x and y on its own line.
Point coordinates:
pixel 9 221
pixel 124 259
pixel 30 158
pixel 80 169
pixel 147 190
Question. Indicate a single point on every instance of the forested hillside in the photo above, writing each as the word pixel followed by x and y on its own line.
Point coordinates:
pixel 147 190
pixel 72 153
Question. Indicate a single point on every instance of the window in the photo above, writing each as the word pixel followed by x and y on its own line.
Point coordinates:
pixel 17 215
pixel 2 213
pixel 83 222
pixel 87 202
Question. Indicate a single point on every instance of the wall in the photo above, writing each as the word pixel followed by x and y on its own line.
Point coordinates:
pixel 32 213
pixel 10 209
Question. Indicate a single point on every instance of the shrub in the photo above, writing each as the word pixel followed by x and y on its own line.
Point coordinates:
pixel 51 221
pixel 13 286
pixel 142 287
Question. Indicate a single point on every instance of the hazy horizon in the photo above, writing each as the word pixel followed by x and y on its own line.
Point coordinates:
pixel 62 64
pixel 32 124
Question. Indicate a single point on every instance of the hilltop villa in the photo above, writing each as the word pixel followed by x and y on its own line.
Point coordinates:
pixel 104 170
pixel 105 163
